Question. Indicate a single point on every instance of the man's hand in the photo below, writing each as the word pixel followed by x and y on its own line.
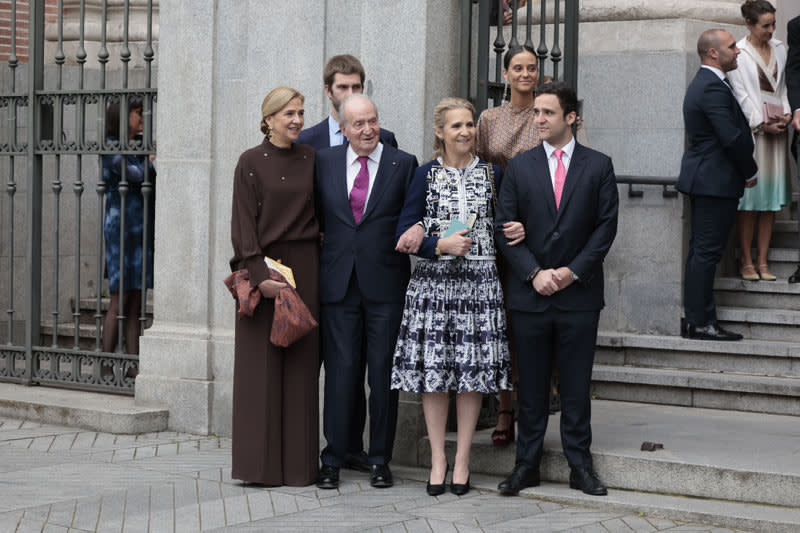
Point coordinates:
pixel 456 244
pixel 751 183
pixel 270 288
pixel 545 282
pixel 410 240
pixel 564 277
pixel 514 232
pixel 796 121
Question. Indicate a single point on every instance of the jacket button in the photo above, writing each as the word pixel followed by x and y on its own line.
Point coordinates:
pixel 283 178
pixel 556 235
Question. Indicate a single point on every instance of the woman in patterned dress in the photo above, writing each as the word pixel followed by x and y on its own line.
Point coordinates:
pixel 453 333
pixel 758 83
pixel 503 132
pixel 138 169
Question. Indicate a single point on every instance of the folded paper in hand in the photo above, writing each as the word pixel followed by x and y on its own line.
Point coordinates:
pixel 281 269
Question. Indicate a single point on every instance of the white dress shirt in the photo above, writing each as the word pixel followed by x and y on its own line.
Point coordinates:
pixel 353 166
pixel 552 160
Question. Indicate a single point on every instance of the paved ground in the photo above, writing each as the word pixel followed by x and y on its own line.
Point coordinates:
pixel 59 479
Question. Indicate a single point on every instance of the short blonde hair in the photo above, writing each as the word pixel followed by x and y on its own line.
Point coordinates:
pixel 441 109
pixel 274 102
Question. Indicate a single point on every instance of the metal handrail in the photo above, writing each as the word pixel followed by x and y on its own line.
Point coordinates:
pixel 668 182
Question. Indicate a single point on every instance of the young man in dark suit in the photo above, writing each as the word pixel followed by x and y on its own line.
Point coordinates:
pixel 566 196
pixel 343 76
pixel 793 90
pixel 360 190
pixel 716 167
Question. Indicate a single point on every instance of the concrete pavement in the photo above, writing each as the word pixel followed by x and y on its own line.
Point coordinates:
pixel 60 479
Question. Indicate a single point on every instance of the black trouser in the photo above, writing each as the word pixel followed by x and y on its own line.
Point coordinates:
pixel 712 219
pixel 569 338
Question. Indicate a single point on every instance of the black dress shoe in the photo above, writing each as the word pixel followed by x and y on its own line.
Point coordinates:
pixel 521 477
pixel 356 461
pixel 795 278
pixel 437 489
pixel 586 479
pixel 381 477
pixel 459 489
pixel 328 477
pixel 711 332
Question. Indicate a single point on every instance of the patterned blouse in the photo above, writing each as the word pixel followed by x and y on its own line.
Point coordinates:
pixel 504 132
pixel 440 193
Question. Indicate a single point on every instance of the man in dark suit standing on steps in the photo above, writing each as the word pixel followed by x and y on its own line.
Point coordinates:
pixel 716 167
pixel 343 75
pixel 360 189
pixel 566 196
pixel 793 90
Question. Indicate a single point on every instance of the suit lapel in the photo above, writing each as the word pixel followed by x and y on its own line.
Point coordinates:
pixel 542 184
pixel 339 183
pixel 574 175
pixel 386 169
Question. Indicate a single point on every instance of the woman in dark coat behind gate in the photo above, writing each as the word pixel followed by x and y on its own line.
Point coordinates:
pixel 275 390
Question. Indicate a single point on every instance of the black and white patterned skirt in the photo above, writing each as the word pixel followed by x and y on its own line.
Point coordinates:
pixel 453 335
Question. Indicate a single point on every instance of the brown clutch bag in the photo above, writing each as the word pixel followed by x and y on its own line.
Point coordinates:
pixel 291 320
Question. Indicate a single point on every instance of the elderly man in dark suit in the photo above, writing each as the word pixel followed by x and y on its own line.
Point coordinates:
pixel 343 75
pixel 716 167
pixel 566 196
pixel 793 90
pixel 360 191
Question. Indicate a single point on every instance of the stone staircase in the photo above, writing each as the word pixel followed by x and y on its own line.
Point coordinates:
pixel 87 329
pixel 760 373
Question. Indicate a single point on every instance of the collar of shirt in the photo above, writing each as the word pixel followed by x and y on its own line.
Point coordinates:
pixel 552 161
pixel 715 70
pixel 353 166
pixel 334 132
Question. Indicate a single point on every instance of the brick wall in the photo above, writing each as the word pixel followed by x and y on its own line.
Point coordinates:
pixel 51 16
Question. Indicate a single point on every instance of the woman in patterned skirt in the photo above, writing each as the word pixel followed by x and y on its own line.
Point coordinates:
pixel 453 334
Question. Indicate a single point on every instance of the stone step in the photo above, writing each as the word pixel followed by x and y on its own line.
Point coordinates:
pixel 696 388
pixel 784 234
pixel 735 292
pixel 766 324
pixel 91 410
pixel 782 261
pixel 711 454
pixel 756 357
pixel 65 332
pixel 652 510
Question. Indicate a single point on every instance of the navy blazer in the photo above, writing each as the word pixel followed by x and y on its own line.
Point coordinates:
pixel 578 235
pixel 368 247
pixel 318 136
pixel 719 157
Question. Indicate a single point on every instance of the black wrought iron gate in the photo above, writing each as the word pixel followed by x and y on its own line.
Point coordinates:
pixel 56 161
pixel 559 59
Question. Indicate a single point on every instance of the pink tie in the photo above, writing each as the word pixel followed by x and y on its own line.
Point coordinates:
pixel 358 194
pixel 561 176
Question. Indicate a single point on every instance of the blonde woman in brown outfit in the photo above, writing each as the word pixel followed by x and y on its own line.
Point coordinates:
pixel 275 390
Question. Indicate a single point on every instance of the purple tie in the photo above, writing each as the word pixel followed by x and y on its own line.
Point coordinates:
pixel 358 194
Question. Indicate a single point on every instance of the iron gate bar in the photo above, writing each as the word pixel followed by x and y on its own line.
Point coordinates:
pixel 57 186
pixel 147 187
pixel 102 59
pixel 572 18
pixel 33 272
pixel 13 150
pixel 124 136
pixel 541 50
pixel 555 52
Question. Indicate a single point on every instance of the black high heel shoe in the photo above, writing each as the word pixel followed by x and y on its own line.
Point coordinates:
pixel 438 489
pixel 459 489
